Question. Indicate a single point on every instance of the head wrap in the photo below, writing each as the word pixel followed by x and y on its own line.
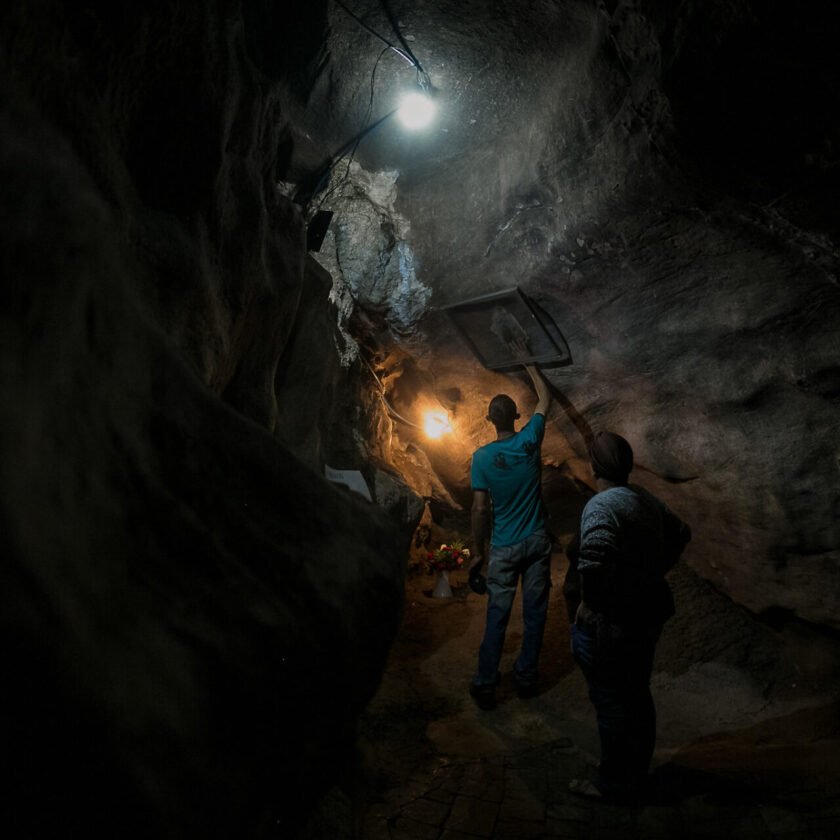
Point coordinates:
pixel 611 456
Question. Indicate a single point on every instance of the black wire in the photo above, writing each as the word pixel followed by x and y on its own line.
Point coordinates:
pixel 407 55
pixel 395 26
pixel 422 78
pixel 352 152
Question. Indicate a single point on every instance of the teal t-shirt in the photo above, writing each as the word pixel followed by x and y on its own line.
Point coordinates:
pixel 510 471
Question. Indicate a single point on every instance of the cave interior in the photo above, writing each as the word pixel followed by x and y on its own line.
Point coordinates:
pixel 239 285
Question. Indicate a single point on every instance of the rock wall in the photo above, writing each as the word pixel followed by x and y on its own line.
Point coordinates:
pixel 660 179
pixel 192 617
pixel 708 360
pixel 368 250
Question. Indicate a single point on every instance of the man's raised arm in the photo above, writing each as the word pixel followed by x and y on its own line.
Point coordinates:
pixel 542 389
pixel 519 348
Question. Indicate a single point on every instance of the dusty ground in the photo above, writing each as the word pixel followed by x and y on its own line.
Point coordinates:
pixel 742 750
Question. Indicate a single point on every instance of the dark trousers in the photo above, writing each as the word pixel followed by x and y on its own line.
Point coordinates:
pixel 530 560
pixel 617 672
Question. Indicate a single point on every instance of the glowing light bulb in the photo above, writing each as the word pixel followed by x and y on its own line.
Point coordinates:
pixel 436 424
pixel 416 110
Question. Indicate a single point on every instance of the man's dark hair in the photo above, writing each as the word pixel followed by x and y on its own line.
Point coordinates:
pixel 611 456
pixel 502 412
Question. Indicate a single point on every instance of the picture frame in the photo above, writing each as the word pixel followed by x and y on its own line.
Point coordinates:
pixel 488 323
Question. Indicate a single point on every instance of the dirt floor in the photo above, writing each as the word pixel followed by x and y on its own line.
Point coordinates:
pixel 748 733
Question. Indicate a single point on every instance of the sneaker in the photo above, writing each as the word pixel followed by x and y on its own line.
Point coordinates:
pixel 586 790
pixel 484 696
pixel 622 795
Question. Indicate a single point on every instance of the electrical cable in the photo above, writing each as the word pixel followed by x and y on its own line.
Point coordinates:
pixel 384 399
pixel 396 27
pixel 354 144
pixel 407 55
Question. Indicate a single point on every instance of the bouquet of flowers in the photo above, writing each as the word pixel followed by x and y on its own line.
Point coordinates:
pixel 448 557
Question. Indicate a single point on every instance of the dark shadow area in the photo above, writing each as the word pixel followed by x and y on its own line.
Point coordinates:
pixel 749 90
pixel 672 783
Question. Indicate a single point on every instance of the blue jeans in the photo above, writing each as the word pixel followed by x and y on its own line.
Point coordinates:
pixel 617 672
pixel 531 559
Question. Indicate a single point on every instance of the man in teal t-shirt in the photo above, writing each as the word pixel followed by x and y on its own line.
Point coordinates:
pixel 507 509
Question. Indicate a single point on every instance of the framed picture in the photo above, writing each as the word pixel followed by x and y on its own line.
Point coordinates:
pixel 491 322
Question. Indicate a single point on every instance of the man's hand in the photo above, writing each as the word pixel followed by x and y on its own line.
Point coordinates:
pixel 519 348
pixel 475 579
pixel 476 565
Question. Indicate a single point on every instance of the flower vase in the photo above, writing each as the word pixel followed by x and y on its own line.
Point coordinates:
pixel 442 588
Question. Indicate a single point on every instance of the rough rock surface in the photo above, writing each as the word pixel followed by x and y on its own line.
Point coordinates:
pixel 367 250
pixel 182 595
pixel 329 411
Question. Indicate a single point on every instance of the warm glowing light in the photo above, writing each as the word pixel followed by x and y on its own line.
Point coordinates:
pixel 416 110
pixel 436 424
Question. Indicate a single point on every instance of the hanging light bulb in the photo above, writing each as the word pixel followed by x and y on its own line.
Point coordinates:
pixel 416 110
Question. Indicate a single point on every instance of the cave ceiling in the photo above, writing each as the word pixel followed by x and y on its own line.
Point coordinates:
pixel 658 180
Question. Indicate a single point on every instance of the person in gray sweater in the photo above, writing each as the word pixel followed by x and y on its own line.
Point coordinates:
pixel 628 541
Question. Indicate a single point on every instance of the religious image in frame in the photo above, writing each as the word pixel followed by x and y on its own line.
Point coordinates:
pixel 491 322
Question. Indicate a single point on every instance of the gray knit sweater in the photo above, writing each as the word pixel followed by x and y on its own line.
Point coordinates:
pixel 628 541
